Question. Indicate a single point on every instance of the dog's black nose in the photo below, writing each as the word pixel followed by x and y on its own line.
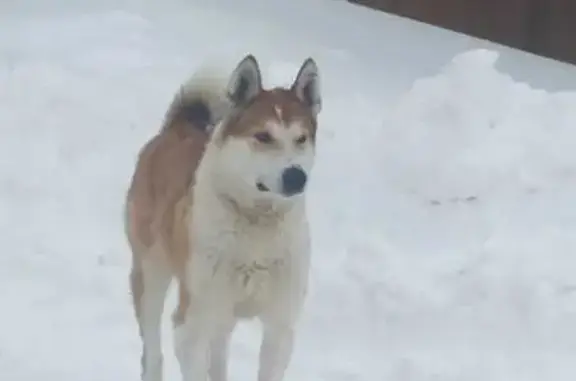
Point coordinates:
pixel 293 180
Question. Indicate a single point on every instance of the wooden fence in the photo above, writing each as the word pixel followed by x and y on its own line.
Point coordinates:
pixel 544 27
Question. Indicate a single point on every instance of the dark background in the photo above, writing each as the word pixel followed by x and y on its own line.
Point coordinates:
pixel 543 27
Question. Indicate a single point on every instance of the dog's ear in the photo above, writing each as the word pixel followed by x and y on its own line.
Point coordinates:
pixel 306 86
pixel 245 82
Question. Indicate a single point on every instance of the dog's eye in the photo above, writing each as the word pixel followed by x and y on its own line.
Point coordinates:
pixel 301 139
pixel 263 137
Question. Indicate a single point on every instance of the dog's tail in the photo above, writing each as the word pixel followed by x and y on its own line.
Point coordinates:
pixel 201 100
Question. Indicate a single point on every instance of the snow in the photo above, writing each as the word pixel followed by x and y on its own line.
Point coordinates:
pixel 442 201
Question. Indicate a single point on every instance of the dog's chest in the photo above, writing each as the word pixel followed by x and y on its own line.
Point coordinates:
pixel 249 265
pixel 256 259
pixel 258 267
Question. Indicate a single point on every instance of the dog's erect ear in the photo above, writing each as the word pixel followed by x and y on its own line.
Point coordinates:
pixel 306 86
pixel 245 82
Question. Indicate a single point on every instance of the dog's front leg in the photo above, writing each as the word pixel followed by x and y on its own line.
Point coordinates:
pixel 275 351
pixel 192 341
pixel 280 318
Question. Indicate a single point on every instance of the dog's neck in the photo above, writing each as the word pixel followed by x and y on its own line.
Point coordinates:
pixel 261 212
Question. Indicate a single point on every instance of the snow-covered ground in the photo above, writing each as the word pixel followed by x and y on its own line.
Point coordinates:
pixel 442 202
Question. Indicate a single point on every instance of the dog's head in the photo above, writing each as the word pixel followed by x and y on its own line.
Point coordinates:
pixel 266 145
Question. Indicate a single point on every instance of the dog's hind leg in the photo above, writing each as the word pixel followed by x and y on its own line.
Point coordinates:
pixel 149 282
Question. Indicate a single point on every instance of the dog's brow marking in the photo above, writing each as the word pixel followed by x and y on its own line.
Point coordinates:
pixel 278 111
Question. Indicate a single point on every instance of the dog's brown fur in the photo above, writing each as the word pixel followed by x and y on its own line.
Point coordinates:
pixel 158 202
pixel 279 105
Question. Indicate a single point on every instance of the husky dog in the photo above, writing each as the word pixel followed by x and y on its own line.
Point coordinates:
pixel 217 203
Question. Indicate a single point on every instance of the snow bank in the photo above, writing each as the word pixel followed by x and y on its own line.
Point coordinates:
pixel 472 131
pixel 461 262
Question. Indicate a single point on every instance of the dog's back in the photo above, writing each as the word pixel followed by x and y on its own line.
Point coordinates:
pixel 166 165
pixel 163 177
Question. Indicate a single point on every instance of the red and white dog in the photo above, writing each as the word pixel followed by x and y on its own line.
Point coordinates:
pixel 217 203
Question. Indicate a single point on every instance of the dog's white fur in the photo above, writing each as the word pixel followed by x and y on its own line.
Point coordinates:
pixel 249 250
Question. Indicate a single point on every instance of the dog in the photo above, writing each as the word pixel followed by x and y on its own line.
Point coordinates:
pixel 217 203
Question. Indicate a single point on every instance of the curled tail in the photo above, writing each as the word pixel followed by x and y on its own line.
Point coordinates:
pixel 201 101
